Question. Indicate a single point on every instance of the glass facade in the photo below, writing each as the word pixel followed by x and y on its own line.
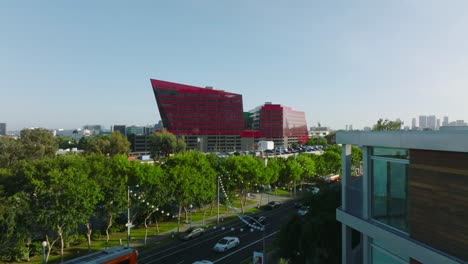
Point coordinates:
pixel 382 254
pixel 389 174
pixel 277 121
pixel 191 110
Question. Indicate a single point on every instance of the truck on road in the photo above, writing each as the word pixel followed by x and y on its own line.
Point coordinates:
pixel 264 145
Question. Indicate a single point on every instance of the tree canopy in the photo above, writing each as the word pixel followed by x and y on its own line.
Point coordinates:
pixel 317 141
pixel 111 145
pixel 55 198
pixel 316 237
pixel 387 125
pixel 164 143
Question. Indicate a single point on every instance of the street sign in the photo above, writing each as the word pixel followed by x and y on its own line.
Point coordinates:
pixel 257 257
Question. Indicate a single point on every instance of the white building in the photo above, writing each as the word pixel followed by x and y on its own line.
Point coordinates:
pixel 431 122
pixel 422 122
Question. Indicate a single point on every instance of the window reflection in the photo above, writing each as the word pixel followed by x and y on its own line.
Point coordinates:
pixel 389 192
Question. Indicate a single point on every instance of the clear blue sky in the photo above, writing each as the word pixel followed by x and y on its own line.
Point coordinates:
pixel 64 64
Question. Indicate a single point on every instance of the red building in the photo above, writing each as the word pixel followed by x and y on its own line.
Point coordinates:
pixel 213 120
pixel 282 123
pixel 191 110
pixel 210 120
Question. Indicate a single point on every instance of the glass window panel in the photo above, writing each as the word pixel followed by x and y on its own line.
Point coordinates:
pixel 381 257
pixel 391 153
pixel 397 205
pixel 389 193
pixel 390 249
pixel 379 190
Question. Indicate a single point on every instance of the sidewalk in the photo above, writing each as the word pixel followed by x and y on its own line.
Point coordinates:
pixel 211 219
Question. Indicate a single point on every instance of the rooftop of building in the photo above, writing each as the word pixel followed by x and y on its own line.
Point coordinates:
pixel 449 140
pixel 158 84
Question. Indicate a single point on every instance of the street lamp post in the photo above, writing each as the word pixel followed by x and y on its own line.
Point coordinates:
pixel 128 217
pixel 190 210
pixel 268 195
pixel 260 201
pixel 44 245
pixel 217 218
pixel 178 222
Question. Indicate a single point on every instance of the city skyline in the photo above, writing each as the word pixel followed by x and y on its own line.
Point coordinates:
pixel 70 64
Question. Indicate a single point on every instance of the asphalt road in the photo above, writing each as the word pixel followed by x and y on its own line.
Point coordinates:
pixel 200 248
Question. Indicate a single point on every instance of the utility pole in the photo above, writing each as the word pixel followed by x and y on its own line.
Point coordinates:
pixel 295 179
pixel 218 200
pixel 128 217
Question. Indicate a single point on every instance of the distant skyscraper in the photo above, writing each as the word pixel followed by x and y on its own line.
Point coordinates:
pixel 351 127
pixel 422 122
pixel 2 129
pixel 461 123
pixel 438 124
pixel 137 130
pixel 431 122
pixel 121 129
pixel 413 124
pixel 346 127
pixel 446 121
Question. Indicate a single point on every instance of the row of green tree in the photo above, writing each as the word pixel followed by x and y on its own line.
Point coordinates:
pixel 61 199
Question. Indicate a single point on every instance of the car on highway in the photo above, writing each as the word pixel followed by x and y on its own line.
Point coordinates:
pixel 226 243
pixel 193 233
pixel 273 205
pixel 313 190
pixel 202 262
pixel 298 204
pixel 303 210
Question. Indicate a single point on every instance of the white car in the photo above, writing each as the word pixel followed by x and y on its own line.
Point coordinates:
pixel 303 210
pixel 193 233
pixel 203 262
pixel 226 243
pixel 314 190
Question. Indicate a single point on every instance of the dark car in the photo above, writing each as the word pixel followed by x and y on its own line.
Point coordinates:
pixel 193 233
pixel 273 205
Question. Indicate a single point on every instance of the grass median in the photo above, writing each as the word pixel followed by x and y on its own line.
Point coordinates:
pixel 157 234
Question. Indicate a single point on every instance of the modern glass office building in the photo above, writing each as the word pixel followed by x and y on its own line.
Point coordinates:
pixel 208 119
pixel 194 110
pixel 278 121
pixel 410 205
pixel 213 120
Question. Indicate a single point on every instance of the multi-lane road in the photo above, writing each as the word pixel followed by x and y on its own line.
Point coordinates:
pixel 187 252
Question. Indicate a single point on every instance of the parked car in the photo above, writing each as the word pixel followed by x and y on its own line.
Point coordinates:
pixel 303 210
pixel 202 262
pixel 313 190
pixel 298 204
pixel 193 233
pixel 226 243
pixel 273 205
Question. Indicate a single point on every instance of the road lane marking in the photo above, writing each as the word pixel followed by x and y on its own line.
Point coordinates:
pixel 216 233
